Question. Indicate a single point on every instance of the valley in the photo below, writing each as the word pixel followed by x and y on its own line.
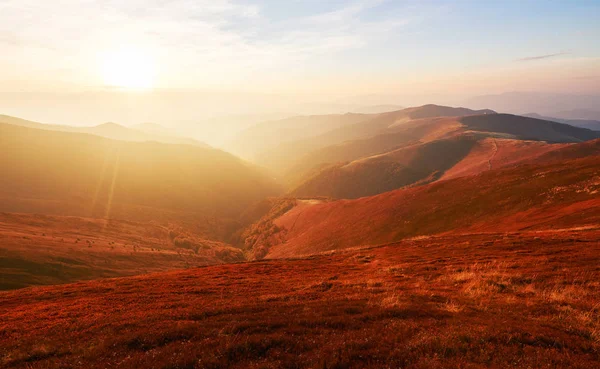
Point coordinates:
pixel 404 239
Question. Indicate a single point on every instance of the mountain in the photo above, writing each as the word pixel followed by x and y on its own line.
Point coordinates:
pixel 544 103
pixel 421 151
pixel 556 190
pixel 418 164
pixel 264 136
pixel 78 174
pixel 293 158
pixel 108 130
pixel 377 109
pixel 528 128
pixel 153 128
pixel 583 114
pixel 594 125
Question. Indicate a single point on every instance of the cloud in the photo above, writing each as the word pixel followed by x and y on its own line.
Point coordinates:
pixel 203 37
pixel 541 57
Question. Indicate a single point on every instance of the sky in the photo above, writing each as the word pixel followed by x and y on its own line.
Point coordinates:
pixel 132 60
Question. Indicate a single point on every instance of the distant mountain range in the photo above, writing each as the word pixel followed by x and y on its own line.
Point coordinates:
pixel 565 106
pixel 139 133
pixel 594 125
pixel 357 155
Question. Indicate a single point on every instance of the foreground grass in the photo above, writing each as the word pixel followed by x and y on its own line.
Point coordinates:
pixel 527 300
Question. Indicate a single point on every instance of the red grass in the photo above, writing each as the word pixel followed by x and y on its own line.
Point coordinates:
pixel 542 196
pixel 42 249
pixel 473 301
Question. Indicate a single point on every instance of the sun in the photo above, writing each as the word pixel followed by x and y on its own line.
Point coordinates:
pixel 129 68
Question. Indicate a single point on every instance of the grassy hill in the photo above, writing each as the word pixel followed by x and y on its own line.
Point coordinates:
pixel 421 151
pixel 84 175
pixel 42 249
pixel 559 190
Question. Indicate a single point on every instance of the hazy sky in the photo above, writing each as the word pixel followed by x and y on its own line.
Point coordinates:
pixel 320 50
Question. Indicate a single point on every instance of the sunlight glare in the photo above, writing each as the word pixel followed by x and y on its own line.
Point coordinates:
pixel 129 68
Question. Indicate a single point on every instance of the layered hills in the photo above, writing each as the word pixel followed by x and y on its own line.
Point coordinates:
pixel 85 175
pixel 559 189
pixel 423 150
pixel 139 133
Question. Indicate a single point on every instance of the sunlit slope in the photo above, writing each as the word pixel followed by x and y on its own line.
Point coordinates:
pixel 84 175
pixel 554 192
pixel 473 301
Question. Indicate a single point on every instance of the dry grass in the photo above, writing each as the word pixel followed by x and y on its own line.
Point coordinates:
pixel 529 301
pixel 43 249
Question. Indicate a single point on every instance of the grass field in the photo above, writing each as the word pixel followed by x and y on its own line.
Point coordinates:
pixel 520 300
pixel 43 249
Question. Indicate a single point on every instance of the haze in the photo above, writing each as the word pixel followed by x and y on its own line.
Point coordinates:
pixel 179 63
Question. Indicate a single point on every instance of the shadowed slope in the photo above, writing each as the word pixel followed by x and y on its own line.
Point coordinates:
pixel 418 163
pixel 529 128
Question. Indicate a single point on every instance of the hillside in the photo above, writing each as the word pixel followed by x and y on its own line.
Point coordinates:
pixel 109 130
pixel 42 249
pixel 526 128
pixel 416 163
pixel 420 163
pixel 84 175
pixel 560 190
pixel 267 135
pixel 494 153
pixel 526 299
pixel 287 156
pixel 409 154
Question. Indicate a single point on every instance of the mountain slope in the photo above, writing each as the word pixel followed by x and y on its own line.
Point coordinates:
pixel 108 130
pixel 528 128
pixel 552 193
pixel 389 171
pixel 42 249
pixel 472 301
pixel 85 175
pixel 265 136
pixel 288 156
pixel 389 161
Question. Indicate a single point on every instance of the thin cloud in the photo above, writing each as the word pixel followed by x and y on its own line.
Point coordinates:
pixel 541 57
